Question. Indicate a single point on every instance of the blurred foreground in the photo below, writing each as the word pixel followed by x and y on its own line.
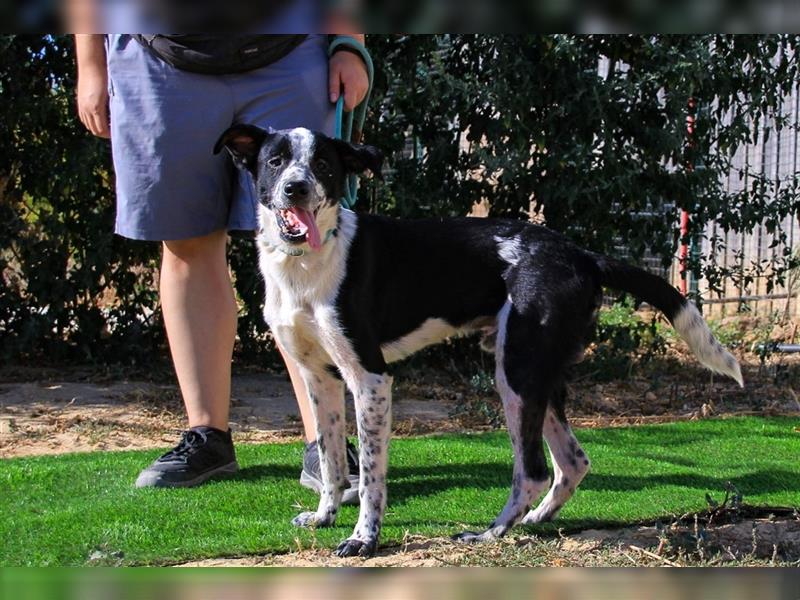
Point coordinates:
pixel 435 584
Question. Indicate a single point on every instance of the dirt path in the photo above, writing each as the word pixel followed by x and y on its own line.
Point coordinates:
pixel 52 413
pixel 52 417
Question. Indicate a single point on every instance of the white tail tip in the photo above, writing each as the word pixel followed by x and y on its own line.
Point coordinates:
pixel 691 326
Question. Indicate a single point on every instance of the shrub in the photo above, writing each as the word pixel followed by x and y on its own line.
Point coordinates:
pixel 623 338
pixel 604 155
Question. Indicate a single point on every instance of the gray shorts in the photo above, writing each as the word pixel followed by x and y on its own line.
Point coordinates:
pixel 164 123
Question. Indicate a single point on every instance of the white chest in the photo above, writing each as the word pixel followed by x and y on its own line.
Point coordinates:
pixel 301 292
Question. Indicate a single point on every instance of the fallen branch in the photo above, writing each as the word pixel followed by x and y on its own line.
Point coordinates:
pixel 655 556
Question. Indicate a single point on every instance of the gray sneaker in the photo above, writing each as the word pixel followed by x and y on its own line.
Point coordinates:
pixel 202 453
pixel 311 476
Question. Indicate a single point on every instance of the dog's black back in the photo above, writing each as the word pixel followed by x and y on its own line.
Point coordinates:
pixel 401 273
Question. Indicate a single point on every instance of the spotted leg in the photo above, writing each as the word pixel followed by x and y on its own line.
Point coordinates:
pixel 365 376
pixel 570 465
pixel 373 403
pixel 522 376
pixel 326 395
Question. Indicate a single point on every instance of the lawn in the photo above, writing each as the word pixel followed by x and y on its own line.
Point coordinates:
pixel 61 510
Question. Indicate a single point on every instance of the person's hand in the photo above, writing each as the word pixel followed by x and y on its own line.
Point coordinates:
pixel 347 70
pixel 93 102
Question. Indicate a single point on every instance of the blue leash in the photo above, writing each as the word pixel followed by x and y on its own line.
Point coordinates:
pixel 356 117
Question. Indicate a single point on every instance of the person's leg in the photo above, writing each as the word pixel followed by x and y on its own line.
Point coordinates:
pixel 170 186
pixel 199 308
pixel 300 392
pixel 199 311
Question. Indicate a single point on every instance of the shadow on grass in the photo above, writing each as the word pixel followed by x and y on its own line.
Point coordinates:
pixel 470 523
pixel 266 472
pixel 409 482
pixel 412 482
pixel 778 480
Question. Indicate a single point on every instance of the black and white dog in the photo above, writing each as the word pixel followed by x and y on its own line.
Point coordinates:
pixel 348 293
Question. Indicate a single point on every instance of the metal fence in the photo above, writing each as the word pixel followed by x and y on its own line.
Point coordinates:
pixel 774 155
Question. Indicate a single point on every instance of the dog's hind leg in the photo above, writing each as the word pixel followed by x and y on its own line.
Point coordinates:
pixel 524 377
pixel 570 463
pixel 326 394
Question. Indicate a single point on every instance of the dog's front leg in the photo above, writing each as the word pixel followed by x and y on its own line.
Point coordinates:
pixel 326 396
pixel 373 402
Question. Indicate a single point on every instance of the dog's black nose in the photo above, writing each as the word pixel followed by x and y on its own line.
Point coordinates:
pixel 296 190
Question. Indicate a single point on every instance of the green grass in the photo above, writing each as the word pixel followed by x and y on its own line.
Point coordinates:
pixel 59 510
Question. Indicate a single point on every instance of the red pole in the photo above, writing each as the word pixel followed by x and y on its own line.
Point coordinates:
pixel 684 251
pixel 683 255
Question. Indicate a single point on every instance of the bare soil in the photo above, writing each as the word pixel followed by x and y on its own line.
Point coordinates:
pixel 755 537
pixel 56 415
pixel 51 412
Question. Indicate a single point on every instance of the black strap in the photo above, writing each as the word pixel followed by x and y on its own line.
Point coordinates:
pixel 213 54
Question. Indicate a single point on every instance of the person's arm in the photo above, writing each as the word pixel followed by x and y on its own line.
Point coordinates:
pixel 92 95
pixel 348 70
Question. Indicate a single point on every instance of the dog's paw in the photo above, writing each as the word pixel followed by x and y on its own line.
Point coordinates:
pixel 305 519
pixel 472 537
pixel 355 547
pixel 539 516
pixel 310 519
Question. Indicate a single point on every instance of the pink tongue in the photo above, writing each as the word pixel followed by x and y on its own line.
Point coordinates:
pixel 307 219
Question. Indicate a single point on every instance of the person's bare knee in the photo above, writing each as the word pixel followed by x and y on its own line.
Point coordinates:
pixel 202 250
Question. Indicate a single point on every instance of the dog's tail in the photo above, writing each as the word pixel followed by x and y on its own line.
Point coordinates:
pixel 683 315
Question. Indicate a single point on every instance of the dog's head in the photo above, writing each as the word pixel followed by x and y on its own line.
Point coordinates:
pixel 298 174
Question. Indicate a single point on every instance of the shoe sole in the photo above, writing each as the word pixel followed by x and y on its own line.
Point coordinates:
pixel 155 478
pixel 350 495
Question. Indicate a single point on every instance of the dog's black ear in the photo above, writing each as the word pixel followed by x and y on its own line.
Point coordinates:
pixel 243 142
pixel 357 158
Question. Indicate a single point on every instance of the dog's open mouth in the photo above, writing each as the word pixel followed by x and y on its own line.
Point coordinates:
pixel 298 225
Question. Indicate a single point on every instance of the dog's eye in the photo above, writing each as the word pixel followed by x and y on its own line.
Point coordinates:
pixel 275 161
pixel 322 165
